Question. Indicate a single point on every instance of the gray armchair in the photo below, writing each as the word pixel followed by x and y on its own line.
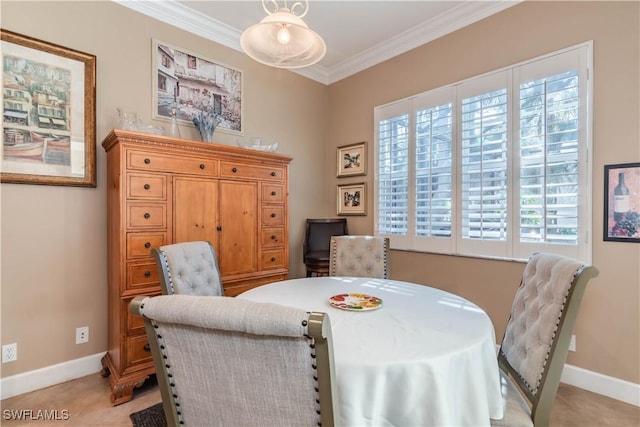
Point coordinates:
pixel 222 361
pixel 359 256
pixel 536 341
pixel 189 268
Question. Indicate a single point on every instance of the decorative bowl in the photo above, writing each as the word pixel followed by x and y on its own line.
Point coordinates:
pixel 156 130
pixel 255 143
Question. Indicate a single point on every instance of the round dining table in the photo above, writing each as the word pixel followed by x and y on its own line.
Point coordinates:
pixel 421 357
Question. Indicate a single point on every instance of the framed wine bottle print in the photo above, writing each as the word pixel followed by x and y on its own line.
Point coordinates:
pixel 622 202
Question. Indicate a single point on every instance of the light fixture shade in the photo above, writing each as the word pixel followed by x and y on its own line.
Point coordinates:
pixel 296 46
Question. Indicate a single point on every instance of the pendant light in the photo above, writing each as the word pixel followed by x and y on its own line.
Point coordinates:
pixel 282 39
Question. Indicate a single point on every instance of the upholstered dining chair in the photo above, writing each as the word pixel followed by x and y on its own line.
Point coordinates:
pixel 223 361
pixel 188 268
pixel 317 242
pixel 359 256
pixel 536 341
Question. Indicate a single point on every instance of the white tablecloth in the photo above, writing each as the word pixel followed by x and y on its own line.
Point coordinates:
pixel 425 358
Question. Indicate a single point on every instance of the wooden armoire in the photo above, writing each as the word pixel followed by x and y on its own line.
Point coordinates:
pixel 163 190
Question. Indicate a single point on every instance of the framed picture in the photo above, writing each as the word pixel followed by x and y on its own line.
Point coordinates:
pixel 352 160
pixel 193 84
pixel 49 114
pixel 622 202
pixel 352 199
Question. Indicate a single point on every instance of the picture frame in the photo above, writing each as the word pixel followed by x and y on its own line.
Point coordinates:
pixel 49 114
pixel 351 160
pixel 622 202
pixel 192 84
pixel 351 199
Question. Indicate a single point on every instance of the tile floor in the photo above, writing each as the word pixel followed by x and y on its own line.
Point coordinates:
pixel 87 402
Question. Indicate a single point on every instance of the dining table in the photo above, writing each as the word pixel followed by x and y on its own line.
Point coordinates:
pixel 405 354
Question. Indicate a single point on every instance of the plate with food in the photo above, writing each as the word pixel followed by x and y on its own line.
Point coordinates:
pixel 355 302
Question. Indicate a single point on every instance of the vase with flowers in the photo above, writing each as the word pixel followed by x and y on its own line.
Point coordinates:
pixel 206 123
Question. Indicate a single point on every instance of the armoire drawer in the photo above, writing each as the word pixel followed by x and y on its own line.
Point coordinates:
pixel 146 215
pixel 273 215
pixel 135 324
pixel 139 245
pixel 147 161
pixel 273 259
pixel 138 350
pixel 272 236
pixel 141 275
pixel 273 193
pixel 234 170
pixel 151 187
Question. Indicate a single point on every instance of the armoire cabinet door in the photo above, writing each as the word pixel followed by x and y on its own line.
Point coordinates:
pixel 195 210
pixel 239 227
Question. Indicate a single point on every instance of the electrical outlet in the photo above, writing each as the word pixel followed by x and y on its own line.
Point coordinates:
pixel 82 335
pixel 572 343
pixel 9 353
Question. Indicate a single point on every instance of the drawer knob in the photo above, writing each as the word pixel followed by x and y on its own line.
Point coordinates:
pixel 147 161
pixel 147 215
pixel 147 273
pixel 202 166
pixel 147 245
pixel 219 228
pixel 273 193
pixel 273 174
pixel 273 215
pixel 273 259
pixel 147 347
pixel 234 170
pixel 273 237
pixel 147 186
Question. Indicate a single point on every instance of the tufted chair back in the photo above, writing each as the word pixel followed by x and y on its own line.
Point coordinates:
pixel 359 256
pixel 223 361
pixel 536 340
pixel 188 268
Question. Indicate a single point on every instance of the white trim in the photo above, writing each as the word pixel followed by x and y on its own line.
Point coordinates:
pixel 49 375
pixel 601 384
pixel 180 16
pixel 614 388
pixel 438 26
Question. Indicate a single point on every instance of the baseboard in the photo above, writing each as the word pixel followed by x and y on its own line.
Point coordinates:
pixel 602 384
pixel 50 375
pixel 40 378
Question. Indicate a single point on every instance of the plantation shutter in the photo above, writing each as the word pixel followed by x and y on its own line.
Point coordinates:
pixel 392 178
pixel 497 165
pixel 484 165
pixel 433 179
pixel 553 126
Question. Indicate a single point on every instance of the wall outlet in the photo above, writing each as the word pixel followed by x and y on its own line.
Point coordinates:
pixel 572 343
pixel 9 353
pixel 82 335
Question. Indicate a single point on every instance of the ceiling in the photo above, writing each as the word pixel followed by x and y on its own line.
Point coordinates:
pixel 358 34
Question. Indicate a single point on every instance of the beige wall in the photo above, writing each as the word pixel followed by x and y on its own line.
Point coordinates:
pixel 53 272
pixel 607 330
pixel 53 253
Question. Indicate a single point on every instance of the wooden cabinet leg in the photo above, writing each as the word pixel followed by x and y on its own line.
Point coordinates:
pixel 122 386
pixel 123 391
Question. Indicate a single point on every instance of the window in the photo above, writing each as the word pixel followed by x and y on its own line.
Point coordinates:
pixel 496 165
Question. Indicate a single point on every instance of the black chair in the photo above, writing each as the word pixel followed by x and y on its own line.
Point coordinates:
pixel 317 243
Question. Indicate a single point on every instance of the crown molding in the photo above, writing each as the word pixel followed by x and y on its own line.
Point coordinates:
pixel 439 25
pixel 180 16
pixel 173 13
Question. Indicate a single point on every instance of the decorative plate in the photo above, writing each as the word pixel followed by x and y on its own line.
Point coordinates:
pixel 355 302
